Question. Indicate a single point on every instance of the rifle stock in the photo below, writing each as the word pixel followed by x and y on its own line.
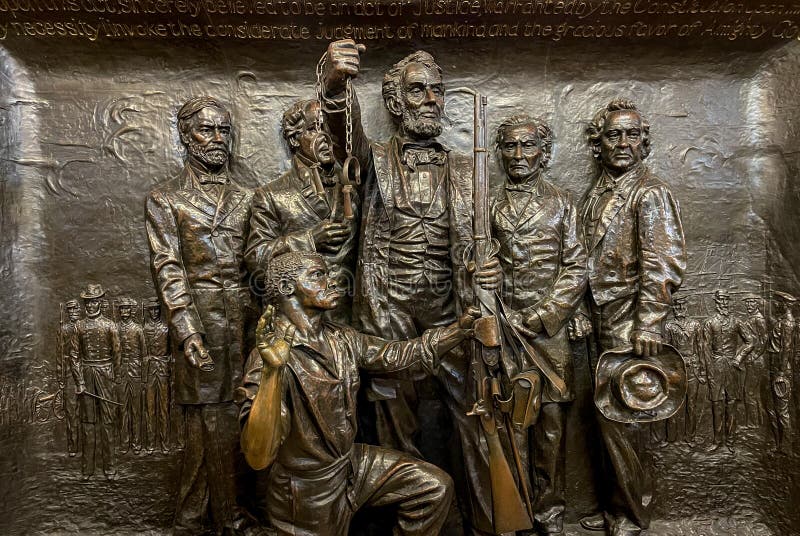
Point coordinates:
pixel 509 512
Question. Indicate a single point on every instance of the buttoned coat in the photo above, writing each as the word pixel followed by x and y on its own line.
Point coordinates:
pixel 544 269
pixel 637 250
pixel 197 246
pixel 381 171
pixel 283 214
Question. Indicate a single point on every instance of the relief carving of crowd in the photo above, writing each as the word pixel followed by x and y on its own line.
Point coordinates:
pixel 390 271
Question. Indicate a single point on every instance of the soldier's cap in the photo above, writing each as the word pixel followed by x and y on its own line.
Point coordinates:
pixel 751 296
pixel 680 299
pixel 719 293
pixel 632 388
pixel 785 296
pixel 126 302
pixel 152 303
pixel 93 290
pixel 71 304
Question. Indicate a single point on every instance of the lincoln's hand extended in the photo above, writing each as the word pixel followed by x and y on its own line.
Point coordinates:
pixel 342 61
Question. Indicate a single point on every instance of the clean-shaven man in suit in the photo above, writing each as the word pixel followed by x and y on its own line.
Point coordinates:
pixel 637 260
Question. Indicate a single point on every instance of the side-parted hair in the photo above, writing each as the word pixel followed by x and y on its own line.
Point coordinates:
pixel 392 79
pixel 595 129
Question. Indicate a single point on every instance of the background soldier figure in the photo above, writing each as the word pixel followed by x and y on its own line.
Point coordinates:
pixel 133 351
pixel 304 209
pixel 95 358
pixel 751 354
pixel 65 378
pixel 637 258
pixel 416 223
pixel 544 266
pixel 782 344
pixel 720 340
pixel 158 370
pixel 197 225
pixel 685 334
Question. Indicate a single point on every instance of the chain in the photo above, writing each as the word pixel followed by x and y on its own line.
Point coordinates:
pixel 348 106
pixel 320 96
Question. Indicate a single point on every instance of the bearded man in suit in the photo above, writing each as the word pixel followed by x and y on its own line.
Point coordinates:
pixel 197 225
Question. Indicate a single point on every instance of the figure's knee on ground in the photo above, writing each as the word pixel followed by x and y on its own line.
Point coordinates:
pixel 441 485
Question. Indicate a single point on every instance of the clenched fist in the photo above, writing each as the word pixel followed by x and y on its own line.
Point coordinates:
pixel 342 61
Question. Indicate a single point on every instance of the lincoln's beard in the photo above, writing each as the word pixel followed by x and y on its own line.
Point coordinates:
pixel 420 127
pixel 213 155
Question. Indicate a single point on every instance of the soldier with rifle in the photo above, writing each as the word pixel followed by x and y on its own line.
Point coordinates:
pixel 417 223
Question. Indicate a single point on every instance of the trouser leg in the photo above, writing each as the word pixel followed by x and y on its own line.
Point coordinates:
pixel 421 491
pixel 87 454
pixel 396 417
pixel 151 415
pixel 718 416
pixel 162 413
pixel 631 489
pixel 730 420
pixel 219 437
pixel 125 418
pixel 192 505
pixel 137 424
pixel 71 418
pixel 692 394
pixel 548 447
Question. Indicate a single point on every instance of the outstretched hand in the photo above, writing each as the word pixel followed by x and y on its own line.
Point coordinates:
pixel 274 349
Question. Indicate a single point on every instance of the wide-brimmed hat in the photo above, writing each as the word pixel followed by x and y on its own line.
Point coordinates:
pixel 93 290
pixel 785 296
pixel 126 302
pixel 633 388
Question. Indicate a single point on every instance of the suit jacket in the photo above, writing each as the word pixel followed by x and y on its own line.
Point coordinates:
pixel 282 215
pixel 637 250
pixel 380 181
pixel 197 259
pixel 544 267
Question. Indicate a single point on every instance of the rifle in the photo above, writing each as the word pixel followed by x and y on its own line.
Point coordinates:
pixel 509 512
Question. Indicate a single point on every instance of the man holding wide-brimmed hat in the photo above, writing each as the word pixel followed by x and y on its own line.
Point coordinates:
pixel 637 259
pixel 782 344
pixel 95 359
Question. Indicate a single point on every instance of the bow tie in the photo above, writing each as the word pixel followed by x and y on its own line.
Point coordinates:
pixel 213 179
pixel 414 156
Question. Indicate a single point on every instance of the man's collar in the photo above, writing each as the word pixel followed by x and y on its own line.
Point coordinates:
pixel 608 182
pixel 282 324
pixel 532 184
pixel 202 176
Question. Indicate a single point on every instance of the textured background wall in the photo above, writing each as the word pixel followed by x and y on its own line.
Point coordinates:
pixel 87 129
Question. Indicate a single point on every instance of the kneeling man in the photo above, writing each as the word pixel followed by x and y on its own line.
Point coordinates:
pixel 299 410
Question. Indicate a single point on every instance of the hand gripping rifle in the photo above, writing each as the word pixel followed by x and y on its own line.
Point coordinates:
pixel 509 512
